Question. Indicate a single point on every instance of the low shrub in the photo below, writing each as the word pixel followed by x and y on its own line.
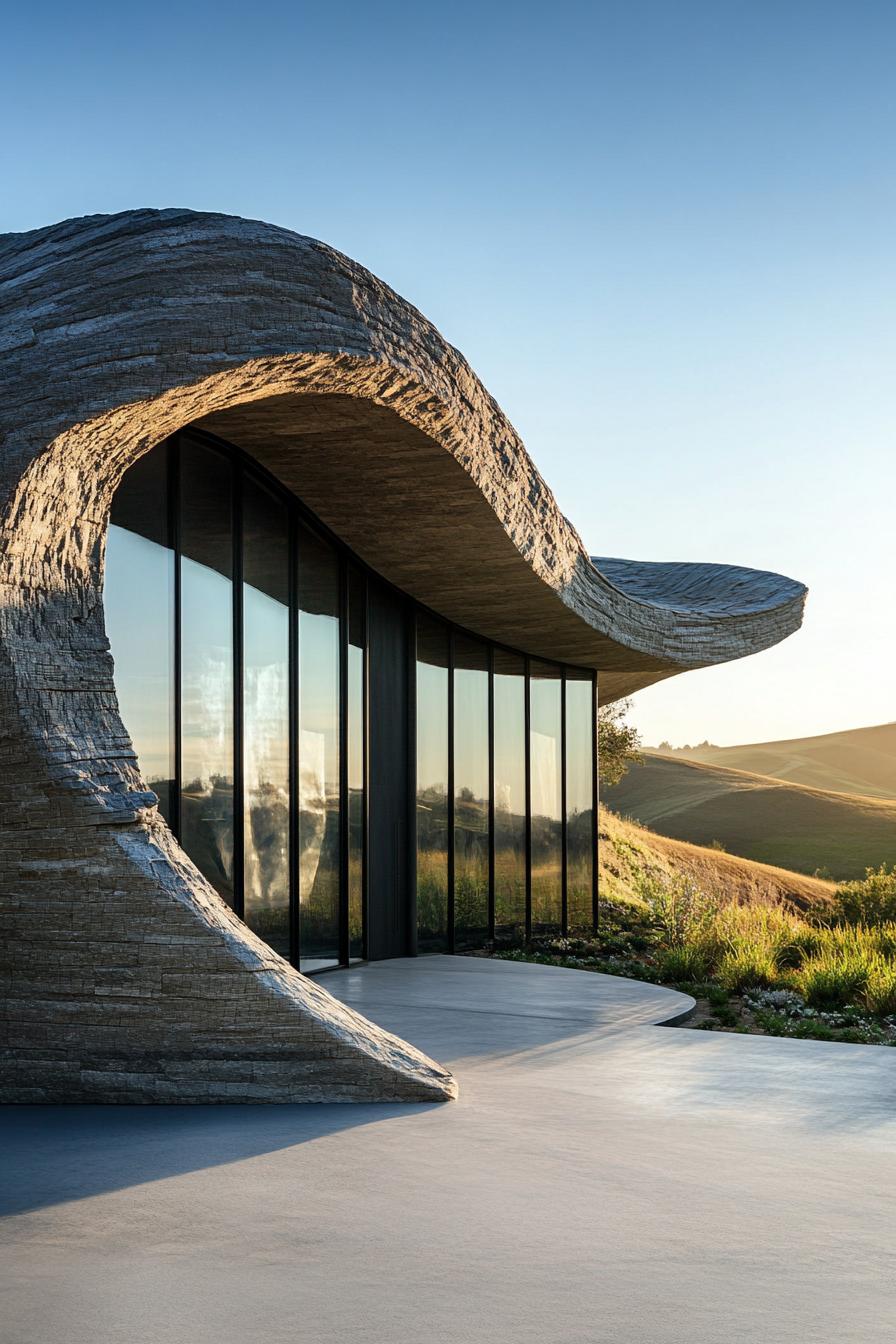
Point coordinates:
pixel 679 909
pixel 869 900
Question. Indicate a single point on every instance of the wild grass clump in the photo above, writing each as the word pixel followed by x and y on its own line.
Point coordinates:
pixel 833 978
pixel 682 965
pixel 745 966
pixel 879 994
pixel 768 931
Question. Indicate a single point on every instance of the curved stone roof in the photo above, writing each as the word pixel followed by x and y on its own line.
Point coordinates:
pixel 116 331
pixel 122 328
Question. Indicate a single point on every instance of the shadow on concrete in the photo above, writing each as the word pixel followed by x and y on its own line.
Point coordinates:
pixel 55 1154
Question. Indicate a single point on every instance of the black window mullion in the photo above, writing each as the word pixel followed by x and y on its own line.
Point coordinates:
pixel 294 867
pixel 239 835
pixel 343 942
pixel 595 800
pixel 365 771
pixel 173 452
pixel 451 790
pixel 528 744
pixel 564 865
pixel 491 793
pixel 412 940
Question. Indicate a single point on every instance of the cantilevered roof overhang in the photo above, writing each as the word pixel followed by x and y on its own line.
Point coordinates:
pixel 118 330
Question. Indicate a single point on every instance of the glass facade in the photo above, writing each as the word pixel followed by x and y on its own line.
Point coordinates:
pixel 207 664
pixel 319 751
pixel 510 828
pixel 581 817
pixel 243 676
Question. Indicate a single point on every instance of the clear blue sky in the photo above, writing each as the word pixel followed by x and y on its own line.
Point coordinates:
pixel 664 234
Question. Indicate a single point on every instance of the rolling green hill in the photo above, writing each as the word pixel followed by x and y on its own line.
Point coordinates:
pixel 860 760
pixel 769 820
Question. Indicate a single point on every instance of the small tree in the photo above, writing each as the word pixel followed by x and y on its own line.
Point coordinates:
pixel 617 742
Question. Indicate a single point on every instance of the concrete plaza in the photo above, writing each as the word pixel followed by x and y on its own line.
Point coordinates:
pixel 601 1178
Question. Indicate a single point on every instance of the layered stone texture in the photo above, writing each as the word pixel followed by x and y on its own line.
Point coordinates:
pixel 127 978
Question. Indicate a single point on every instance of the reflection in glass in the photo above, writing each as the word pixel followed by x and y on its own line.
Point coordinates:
pixel 510 793
pixel 579 798
pixel 139 603
pixel 207 663
pixel 266 715
pixel 471 792
pixel 546 794
pixel 318 790
pixel 357 603
pixel 432 784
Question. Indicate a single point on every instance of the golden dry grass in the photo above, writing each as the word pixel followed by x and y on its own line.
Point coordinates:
pixel 629 851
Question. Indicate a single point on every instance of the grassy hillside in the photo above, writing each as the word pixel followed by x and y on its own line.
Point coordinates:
pixel 628 853
pixel 769 820
pixel 752 962
pixel 862 760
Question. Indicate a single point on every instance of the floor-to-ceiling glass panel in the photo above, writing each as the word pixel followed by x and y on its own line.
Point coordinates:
pixel 138 597
pixel 546 795
pixel 319 747
pixel 357 612
pixel 579 798
pixel 471 793
pixel 510 793
pixel 266 714
pixel 432 784
pixel 206 531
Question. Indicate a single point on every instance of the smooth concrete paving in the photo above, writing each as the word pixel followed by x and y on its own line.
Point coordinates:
pixel 602 1179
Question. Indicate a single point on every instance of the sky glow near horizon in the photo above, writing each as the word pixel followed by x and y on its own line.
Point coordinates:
pixel 663 236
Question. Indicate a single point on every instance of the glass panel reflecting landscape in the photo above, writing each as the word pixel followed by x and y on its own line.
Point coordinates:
pixel 579 798
pixel 471 792
pixel 432 784
pixel 510 792
pixel 266 715
pixel 318 783
pixel 207 664
pixel 140 561
pixel 546 794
